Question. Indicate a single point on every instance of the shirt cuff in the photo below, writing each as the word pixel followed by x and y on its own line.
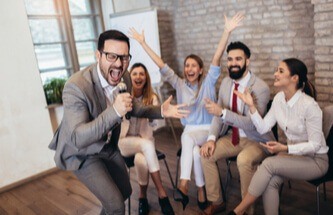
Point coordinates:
pixel 116 111
pixel 162 112
pixel 211 137
pixel 224 113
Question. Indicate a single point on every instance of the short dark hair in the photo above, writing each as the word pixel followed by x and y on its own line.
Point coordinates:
pixel 112 35
pixel 239 45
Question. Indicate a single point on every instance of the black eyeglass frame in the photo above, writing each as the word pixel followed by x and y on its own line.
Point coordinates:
pixel 121 57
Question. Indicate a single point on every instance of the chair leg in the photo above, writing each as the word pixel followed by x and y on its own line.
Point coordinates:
pixel 177 172
pixel 173 131
pixel 318 200
pixel 324 187
pixel 129 205
pixel 167 167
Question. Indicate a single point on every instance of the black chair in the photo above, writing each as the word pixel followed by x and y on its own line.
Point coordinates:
pixel 327 115
pixel 328 133
pixel 233 159
pixel 130 163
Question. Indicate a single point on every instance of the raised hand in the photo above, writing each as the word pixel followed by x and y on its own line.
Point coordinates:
pixel 207 149
pixel 135 35
pixel 123 103
pixel 212 107
pixel 174 111
pixel 275 147
pixel 234 22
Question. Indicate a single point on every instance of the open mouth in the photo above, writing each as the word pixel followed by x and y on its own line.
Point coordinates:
pixel 115 74
pixel 138 82
pixel 190 74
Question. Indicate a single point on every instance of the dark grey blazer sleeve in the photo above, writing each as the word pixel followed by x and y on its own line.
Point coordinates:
pixel 85 129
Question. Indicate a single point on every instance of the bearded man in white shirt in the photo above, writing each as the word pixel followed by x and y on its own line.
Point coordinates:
pixel 232 133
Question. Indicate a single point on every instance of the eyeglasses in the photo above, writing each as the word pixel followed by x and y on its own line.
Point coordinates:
pixel 113 57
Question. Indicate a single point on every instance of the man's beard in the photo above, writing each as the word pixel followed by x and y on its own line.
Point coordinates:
pixel 236 75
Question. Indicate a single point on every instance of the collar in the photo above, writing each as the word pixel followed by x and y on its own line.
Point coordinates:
pixel 104 83
pixel 293 99
pixel 244 81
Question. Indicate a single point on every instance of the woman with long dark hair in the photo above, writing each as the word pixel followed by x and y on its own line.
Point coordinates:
pixel 299 116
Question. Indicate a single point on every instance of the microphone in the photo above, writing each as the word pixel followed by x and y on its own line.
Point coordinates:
pixel 123 89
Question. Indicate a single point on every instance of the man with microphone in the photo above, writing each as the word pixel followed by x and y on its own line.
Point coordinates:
pixel 86 141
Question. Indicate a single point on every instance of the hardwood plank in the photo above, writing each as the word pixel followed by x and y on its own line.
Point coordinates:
pixel 61 193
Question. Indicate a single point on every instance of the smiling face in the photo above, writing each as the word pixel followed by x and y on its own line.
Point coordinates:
pixel 192 71
pixel 237 64
pixel 139 78
pixel 112 72
pixel 283 78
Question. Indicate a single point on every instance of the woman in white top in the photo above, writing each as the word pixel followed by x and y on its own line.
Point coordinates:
pixel 304 157
pixel 137 139
pixel 193 90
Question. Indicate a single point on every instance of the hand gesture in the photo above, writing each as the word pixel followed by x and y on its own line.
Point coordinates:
pixel 207 149
pixel 212 107
pixel 135 35
pixel 246 97
pixel 274 147
pixel 175 111
pixel 123 103
pixel 230 25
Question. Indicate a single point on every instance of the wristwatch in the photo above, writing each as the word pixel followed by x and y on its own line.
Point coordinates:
pixel 221 114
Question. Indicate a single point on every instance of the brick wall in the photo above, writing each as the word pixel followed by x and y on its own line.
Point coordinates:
pixel 323 26
pixel 273 29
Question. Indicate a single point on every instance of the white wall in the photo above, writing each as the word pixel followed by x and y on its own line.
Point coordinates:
pixel 25 127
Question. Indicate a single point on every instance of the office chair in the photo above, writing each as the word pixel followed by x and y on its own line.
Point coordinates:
pixel 130 163
pixel 328 133
pixel 328 122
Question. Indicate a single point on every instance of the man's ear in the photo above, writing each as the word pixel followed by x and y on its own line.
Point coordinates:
pixel 98 55
pixel 247 62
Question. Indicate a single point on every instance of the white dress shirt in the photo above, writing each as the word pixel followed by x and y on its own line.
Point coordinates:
pixel 301 120
pixel 110 92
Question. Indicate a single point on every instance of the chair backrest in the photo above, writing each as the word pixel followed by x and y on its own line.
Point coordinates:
pixel 327 119
pixel 328 133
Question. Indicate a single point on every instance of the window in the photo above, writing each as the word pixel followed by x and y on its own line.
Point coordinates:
pixel 64 34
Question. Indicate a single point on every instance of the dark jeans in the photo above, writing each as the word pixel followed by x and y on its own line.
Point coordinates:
pixel 106 177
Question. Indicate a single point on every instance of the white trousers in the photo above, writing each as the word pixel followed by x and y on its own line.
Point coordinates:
pixel 145 160
pixel 192 138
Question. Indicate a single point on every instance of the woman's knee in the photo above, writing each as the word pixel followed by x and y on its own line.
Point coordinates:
pixel 140 160
pixel 148 146
pixel 187 140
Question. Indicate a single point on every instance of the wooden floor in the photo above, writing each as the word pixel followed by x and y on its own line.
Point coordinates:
pixel 61 193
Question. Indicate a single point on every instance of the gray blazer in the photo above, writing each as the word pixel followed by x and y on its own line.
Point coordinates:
pixel 87 120
pixel 242 120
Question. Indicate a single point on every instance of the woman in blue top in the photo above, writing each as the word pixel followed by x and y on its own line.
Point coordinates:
pixel 192 90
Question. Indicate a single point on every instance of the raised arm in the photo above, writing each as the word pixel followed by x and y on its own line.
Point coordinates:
pixel 229 26
pixel 141 39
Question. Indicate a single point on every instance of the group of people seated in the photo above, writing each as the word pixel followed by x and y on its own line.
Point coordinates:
pixel 234 123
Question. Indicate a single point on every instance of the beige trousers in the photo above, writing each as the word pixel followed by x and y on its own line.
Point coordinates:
pixel 250 154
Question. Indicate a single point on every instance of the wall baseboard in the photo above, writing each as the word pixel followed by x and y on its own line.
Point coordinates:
pixel 29 179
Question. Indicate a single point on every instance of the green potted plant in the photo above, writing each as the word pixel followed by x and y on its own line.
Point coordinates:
pixel 53 90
